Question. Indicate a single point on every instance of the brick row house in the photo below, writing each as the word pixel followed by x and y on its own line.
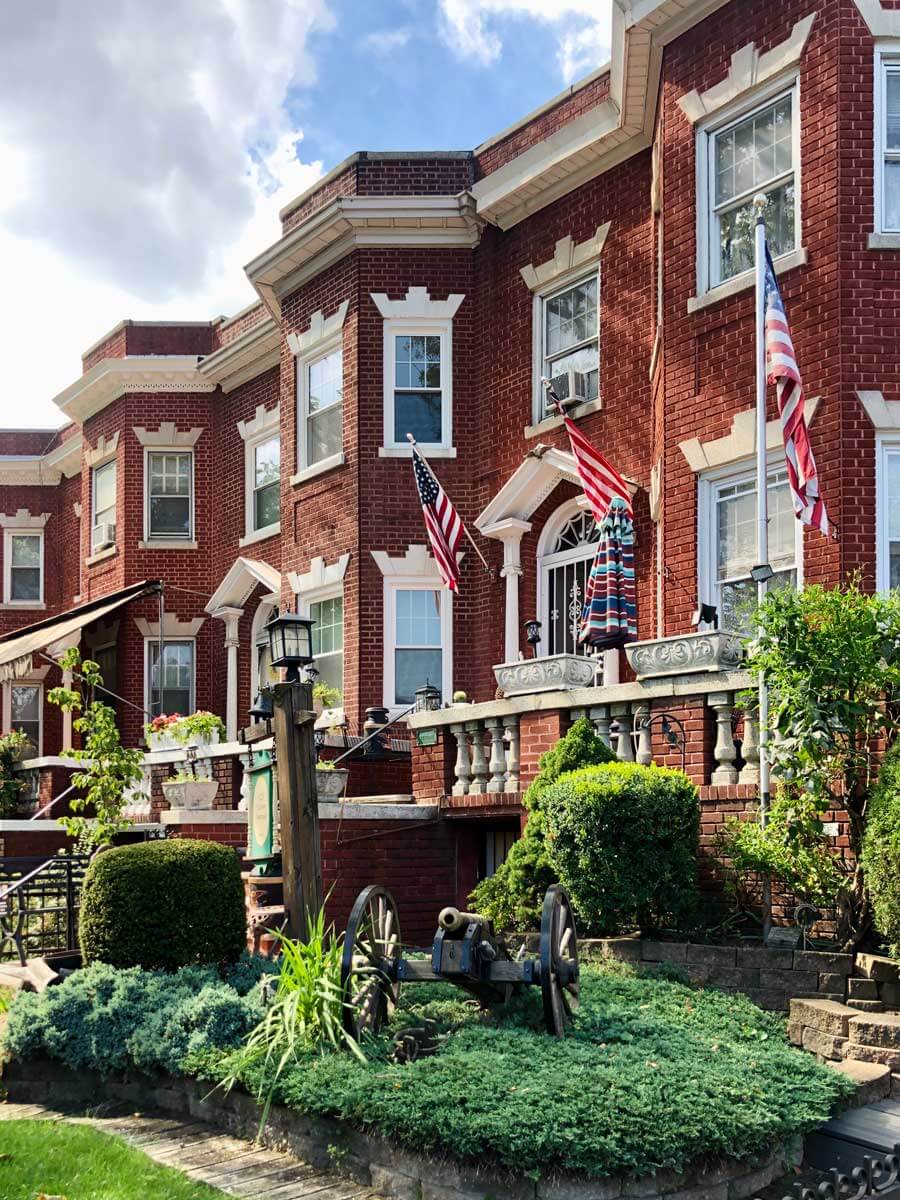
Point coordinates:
pixel 605 240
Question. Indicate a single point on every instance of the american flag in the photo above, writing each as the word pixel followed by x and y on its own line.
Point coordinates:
pixel 599 478
pixel 782 370
pixel 445 528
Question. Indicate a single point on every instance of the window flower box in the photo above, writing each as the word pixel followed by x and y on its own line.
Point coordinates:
pixel 190 793
pixel 686 654
pixel 331 782
pixel 200 729
pixel 555 673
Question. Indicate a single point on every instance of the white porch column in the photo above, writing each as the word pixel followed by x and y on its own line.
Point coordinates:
pixel 510 532
pixel 67 714
pixel 231 616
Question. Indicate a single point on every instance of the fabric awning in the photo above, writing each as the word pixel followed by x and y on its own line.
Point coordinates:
pixel 18 646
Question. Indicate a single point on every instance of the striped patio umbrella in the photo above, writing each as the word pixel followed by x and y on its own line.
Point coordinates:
pixel 609 618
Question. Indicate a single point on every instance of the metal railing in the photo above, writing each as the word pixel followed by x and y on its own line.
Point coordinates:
pixel 39 903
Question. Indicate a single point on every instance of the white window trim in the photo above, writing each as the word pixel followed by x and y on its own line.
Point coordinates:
pixel 304 605
pixel 418 314
pixel 408 583
pixel 109 462
pixel 710 288
pixel 10 531
pixel 261 428
pixel 148 690
pixel 306 469
pixel 579 274
pixel 708 484
pixel 167 541
pixel 887 54
pixel 884 444
pixel 28 681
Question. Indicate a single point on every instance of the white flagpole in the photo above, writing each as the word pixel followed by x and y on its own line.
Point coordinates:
pixel 762 523
pixel 412 441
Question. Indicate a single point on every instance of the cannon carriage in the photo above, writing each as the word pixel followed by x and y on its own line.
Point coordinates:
pixel 466 951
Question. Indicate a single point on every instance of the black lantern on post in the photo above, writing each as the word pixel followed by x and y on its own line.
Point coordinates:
pixel 428 699
pixel 533 635
pixel 261 708
pixel 290 643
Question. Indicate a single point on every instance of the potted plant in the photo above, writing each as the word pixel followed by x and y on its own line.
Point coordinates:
pixel 185 790
pixel 331 781
pixel 173 731
pixel 325 696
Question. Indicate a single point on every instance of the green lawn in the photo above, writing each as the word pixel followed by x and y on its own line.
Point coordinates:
pixel 81 1163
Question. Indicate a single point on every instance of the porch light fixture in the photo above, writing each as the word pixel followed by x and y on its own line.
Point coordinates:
pixel 290 643
pixel 761 573
pixel 428 699
pixel 533 634
pixel 261 709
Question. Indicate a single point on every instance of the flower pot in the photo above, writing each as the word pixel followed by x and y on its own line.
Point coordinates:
pixel 686 654
pixel 191 793
pixel 164 740
pixel 330 784
pixel 555 673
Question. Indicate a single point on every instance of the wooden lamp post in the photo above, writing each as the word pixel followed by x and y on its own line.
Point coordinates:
pixel 290 643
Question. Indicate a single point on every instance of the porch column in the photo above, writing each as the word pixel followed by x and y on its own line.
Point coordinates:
pixel 67 714
pixel 510 532
pixel 231 617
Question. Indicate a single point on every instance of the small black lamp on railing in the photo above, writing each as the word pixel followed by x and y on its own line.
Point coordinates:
pixel 533 635
pixel 428 699
pixel 290 643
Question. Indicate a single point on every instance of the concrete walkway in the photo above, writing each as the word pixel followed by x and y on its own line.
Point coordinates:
pixel 237 1168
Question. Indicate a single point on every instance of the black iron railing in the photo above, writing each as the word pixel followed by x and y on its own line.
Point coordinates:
pixel 39 902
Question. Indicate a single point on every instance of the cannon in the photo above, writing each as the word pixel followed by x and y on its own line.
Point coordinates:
pixel 466 951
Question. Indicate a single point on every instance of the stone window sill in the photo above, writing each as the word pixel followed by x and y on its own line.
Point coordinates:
pixel 101 555
pixel 166 544
pixel 406 451
pixel 319 468
pixel 260 535
pixel 884 241
pixel 555 422
pixel 35 604
pixel 745 281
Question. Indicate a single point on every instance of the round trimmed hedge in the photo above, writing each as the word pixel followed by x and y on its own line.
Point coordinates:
pixel 624 838
pixel 163 905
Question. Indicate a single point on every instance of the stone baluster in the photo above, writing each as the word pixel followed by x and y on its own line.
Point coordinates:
pixel 462 771
pixel 645 735
pixel 599 714
pixel 575 714
pixel 497 765
pixel 750 748
pixel 479 784
pixel 511 727
pixel 624 744
pixel 724 751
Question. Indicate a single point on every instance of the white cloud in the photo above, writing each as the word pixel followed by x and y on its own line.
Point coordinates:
pixel 145 152
pixel 471 29
pixel 384 42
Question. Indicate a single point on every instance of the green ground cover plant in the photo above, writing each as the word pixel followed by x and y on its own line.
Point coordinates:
pixel 654 1074
pixel 54 1158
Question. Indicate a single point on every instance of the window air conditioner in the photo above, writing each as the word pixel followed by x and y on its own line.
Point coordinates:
pixel 103 536
pixel 571 386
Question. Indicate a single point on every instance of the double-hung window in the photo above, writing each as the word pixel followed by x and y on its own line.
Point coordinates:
pixel 171 690
pixel 170 494
pixel 418 391
pixel 754 152
pixel 266 483
pixel 25 703
pixel 328 640
pixel 417 649
pixel 887 143
pixel 24 574
pixel 322 421
pixel 103 506
pixel 888 514
pixel 570 339
pixel 728 542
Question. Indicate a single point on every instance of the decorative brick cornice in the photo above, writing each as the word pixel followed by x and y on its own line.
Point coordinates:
pixel 321 330
pixel 114 377
pixel 566 257
pixel 167 436
pixel 104 450
pixel 748 69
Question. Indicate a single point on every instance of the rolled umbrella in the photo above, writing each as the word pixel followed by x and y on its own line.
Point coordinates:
pixel 609 617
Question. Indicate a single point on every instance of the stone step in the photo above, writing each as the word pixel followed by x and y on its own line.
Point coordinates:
pixel 877 966
pixel 873 1080
pixel 875 1029
pixel 827 1016
pixel 873 1054
pixel 863 989
pixel 865 1005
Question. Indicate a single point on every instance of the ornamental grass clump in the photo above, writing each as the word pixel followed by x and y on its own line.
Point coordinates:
pixel 624 839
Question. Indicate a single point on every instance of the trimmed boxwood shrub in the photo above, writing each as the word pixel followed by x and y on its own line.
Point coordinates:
pixel 624 838
pixel 881 852
pixel 162 905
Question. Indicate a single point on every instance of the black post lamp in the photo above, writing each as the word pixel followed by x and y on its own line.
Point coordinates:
pixel 533 635
pixel 290 643
pixel 428 699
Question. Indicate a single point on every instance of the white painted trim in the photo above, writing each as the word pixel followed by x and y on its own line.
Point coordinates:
pixel 167 437
pixel 746 280
pixel 882 22
pixel 560 283
pixel 324 339
pixel 740 443
pixel 154 641
pixel 321 581
pixel 415 562
pixel 406 451
pixel 167 541
pixel 174 629
pixel 706 131
pixel 887 57
pixel 256 350
pixel 239 581
pixel 418 304
pixel 319 468
pixel 260 535
pixel 575 412
pixel 42 470
pixel 33 679
pixel 114 377
pixel 529 485
pixel 394 583
pixel 748 69
pixel 263 423
pixel 10 531
pixel 510 532
pixel 24 520
pixel 264 427
pixel 417 315
pixel 552 527
pixel 264 611
pixel 884 414
pixel 103 452
pixel 322 331
pixel 109 552
pixel 567 257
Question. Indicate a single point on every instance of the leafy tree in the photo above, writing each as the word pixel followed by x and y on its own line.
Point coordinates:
pixel 831 658
pixel 109 770
pixel 13 747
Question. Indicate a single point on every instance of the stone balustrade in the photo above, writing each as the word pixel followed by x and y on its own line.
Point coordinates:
pixel 487 755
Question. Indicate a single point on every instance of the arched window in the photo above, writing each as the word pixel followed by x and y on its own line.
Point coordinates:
pixel 565 555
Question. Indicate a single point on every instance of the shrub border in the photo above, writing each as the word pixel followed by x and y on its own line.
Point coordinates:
pixel 372 1160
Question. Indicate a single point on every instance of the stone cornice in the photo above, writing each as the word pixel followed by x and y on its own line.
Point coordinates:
pixel 104 451
pixel 256 350
pixel 350 221
pixel 42 470
pixel 263 421
pixel 740 443
pixel 166 435
pixel 320 577
pixel 114 377
pixel 567 256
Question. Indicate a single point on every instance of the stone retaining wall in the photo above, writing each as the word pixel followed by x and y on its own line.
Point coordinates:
pixel 400 1174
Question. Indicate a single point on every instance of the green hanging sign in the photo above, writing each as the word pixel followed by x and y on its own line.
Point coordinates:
pixel 261 812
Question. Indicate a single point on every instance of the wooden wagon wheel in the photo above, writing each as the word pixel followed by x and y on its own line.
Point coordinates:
pixel 559 960
pixel 369 982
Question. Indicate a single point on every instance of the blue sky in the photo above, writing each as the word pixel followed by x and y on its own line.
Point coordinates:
pixel 151 170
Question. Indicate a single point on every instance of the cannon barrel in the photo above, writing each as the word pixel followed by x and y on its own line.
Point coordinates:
pixel 452 919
